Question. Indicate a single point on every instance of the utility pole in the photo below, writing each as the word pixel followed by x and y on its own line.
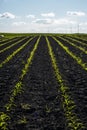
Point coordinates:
pixel 78 28
pixel 71 29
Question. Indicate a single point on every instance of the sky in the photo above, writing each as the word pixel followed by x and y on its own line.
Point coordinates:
pixel 43 16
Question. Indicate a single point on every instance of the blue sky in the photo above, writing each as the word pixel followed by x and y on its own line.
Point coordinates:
pixel 55 16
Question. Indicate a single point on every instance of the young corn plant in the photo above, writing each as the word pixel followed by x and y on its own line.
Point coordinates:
pixel 3 121
pixel 82 43
pixel 10 40
pixel 19 85
pixel 72 120
pixel 8 47
pixel 73 44
pixel 77 59
pixel 14 53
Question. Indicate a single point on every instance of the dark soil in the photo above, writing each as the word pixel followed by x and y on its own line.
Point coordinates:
pixel 10 72
pixel 76 42
pixel 75 78
pixel 7 40
pixel 79 39
pixel 41 93
pixel 10 42
pixel 39 107
pixel 74 50
pixel 6 53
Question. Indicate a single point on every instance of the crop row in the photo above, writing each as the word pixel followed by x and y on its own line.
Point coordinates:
pixel 77 59
pixel 68 104
pixel 14 53
pixel 80 38
pixel 9 42
pixel 10 71
pixel 8 47
pixel 76 48
pixel 78 41
pixel 73 44
pixel 5 41
pixel 17 90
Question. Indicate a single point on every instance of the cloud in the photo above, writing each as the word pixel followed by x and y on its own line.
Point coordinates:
pixel 46 22
pixel 83 24
pixel 43 21
pixel 30 16
pixel 48 14
pixel 7 15
pixel 75 13
pixel 64 21
pixel 18 23
pixel 54 22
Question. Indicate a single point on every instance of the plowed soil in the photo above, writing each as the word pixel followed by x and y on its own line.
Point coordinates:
pixel 39 106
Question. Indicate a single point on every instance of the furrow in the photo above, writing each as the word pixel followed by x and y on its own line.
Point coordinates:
pixel 73 122
pixel 9 41
pixel 8 47
pixel 73 44
pixel 77 59
pixel 82 43
pixel 14 53
pixel 4 117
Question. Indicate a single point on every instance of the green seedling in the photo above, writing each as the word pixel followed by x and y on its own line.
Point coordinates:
pixel 25 106
pixel 3 121
pixel 77 59
pixel 48 109
pixel 23 120
pixel 71 117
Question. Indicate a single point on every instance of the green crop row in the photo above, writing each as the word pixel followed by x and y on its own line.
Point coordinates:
pixel 6 42
pixel 18 86
pixel 77 59
pixel 80 37
pixel 73 44
pixel 14 53
pixel 3 121
pixel 8 47
pixel 17 90
pixel 68 104
pixel 82 43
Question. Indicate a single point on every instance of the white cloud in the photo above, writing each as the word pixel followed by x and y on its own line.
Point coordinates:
pixel 18 23
pixel 30 16
pixel 43 21
pixel 83 24
pixel 75 13
pixel 48 14
pixel 7 15
pixel 64 21
pixel 48 21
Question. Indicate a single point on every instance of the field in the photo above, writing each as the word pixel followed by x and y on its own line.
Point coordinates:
pixel 43 82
